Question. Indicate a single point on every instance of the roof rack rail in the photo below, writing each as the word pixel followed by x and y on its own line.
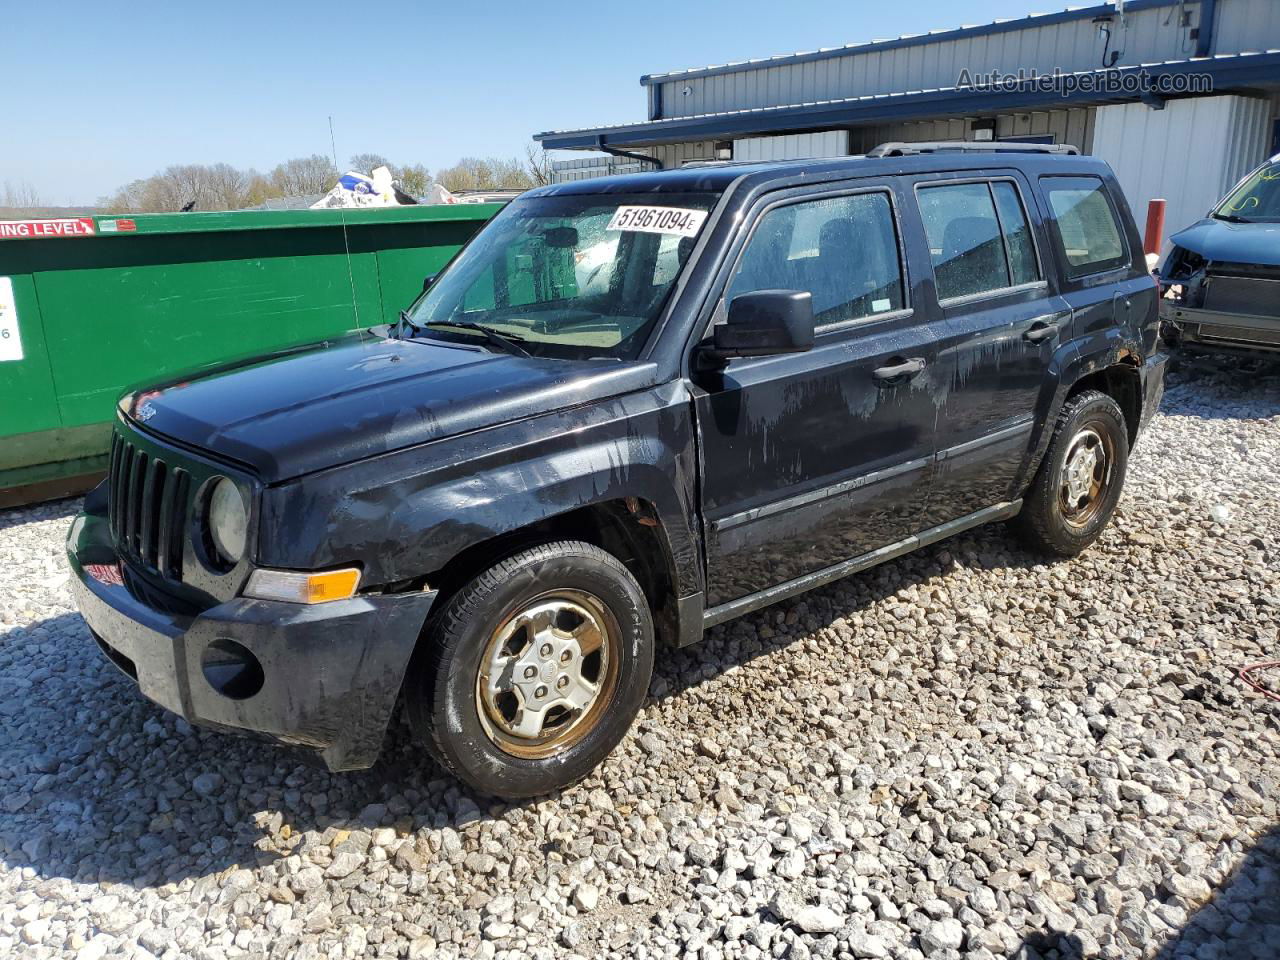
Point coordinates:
pixel 969 146
pixel 716 163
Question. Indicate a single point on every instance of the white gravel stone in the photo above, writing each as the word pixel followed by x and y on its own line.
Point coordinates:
pixel 967 752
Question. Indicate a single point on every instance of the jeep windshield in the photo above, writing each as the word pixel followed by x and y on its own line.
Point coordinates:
pixel 1258 198
pixel 573 277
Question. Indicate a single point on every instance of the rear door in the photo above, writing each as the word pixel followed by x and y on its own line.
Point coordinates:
pixel 1003 320
pixel 1098 274
pixel 809 459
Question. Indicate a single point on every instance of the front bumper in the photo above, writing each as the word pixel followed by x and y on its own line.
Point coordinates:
pixel 331 672
pixel 1215 330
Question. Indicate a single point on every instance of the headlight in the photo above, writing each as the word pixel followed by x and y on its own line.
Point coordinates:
pixel 228 521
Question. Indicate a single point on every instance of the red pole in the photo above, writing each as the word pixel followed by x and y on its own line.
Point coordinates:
pixel 1154 239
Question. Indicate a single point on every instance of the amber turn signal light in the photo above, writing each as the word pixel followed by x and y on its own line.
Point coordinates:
pixel 292 587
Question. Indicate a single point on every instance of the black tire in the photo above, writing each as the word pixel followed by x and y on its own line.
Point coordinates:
pixel 1051 521
pixel 462 728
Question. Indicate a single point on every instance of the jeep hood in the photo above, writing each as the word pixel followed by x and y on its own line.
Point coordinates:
pixel 1228 242
pixel 338 402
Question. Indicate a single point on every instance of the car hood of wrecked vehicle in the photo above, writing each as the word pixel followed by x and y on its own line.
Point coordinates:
pixel 328 404
pixel 1226 242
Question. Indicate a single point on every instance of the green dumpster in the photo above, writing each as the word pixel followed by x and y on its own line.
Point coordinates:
pixel 90 306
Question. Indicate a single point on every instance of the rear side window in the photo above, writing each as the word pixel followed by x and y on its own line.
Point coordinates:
pixel 843 250
pixel 1017 233
pixel 979 238
pixel 1085 224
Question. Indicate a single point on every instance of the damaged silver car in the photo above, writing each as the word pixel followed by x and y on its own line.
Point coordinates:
pixel 1221 282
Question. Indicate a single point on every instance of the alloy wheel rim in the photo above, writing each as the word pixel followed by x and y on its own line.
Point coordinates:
pixel 547 673
pixel 1086 475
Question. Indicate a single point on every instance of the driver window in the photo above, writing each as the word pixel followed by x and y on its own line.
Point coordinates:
pixel 843 250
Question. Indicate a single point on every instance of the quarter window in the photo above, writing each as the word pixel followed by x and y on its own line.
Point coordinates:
pixel 843 250
pixel 979 238
pixel 1085 224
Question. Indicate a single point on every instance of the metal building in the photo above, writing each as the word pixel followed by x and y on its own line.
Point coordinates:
pixel 1180 96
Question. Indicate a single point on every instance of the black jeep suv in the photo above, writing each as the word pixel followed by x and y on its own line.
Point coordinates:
pixel 631 408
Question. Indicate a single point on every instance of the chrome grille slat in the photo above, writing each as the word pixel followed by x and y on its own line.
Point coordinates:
pixel 147 514
pixel 147 507
pixel 165 528
pixel 133 514
pixel 113 482
pixel 175 523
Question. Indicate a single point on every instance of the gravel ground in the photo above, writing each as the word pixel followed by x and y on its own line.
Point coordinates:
pixel 963 753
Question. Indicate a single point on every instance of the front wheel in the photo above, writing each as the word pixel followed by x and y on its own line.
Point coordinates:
pixel 534 670
pixel 1080 479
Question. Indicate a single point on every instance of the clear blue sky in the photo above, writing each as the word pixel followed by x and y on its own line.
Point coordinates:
pixel 97 94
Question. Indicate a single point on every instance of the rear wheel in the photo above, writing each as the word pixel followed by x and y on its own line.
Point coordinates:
pixel 534 670
pixel 1080 479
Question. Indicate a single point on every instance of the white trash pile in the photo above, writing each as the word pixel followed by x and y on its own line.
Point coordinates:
pixel 377 190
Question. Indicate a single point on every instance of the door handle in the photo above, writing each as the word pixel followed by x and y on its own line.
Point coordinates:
pixel 898 370
pixel 1040 331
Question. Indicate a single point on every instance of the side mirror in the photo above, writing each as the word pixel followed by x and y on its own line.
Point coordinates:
pixel 428 281
pixel 764 323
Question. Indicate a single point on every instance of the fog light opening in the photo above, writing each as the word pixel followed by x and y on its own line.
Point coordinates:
pixel 122 662
pixel 231 669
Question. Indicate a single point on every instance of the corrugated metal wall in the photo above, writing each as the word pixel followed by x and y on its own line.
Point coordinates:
pixel 1274 146
pixel 566 171
pixel 1190 153
pixel 825 143
pixel 1247 25
pixel 674 155
pixel 1072 125
pixel 1150 35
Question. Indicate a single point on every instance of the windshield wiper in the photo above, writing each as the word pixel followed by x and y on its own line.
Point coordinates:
pixel 506 344
pixel 1232 218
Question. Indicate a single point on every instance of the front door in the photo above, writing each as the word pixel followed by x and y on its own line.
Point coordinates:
pixel 813 458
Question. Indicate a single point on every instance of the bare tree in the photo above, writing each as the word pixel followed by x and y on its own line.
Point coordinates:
pixel 466 174
pixel 493 173
pixel 303 176
pixel 538 162
pixel 259 190
pixel 414 180
pixel 126 199
pixel 185 187
pixel 228 187
pixel 20 195
pixel 191 186
pixel 164 192
pixel 509 174
pixel 366 163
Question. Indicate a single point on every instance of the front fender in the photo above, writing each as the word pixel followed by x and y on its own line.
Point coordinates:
pixel 403 515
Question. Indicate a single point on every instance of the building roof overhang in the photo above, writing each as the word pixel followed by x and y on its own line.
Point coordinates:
pixel 1226 73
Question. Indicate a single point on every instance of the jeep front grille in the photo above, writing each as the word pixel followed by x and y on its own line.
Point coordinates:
pixel 147 507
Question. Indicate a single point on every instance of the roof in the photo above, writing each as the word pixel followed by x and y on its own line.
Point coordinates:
pixel 966 31
pixel 717 177
pixel 1228 72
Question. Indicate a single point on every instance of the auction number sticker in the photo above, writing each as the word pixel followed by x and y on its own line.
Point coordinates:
pixel 677 220
pixel 10 339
